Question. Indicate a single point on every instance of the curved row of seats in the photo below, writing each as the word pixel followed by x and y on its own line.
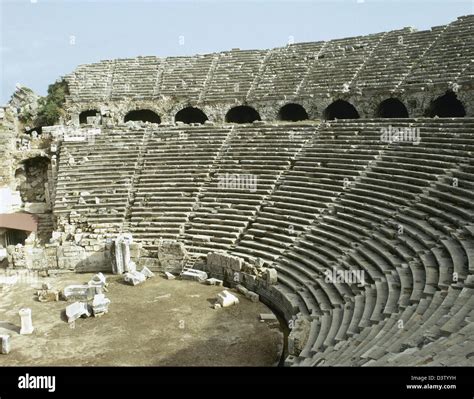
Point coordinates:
pixel 95 177
pixel 447 57
pixel 405 269
pixel 400 59
pixel 177 163
pixel 249 167
pixel 331 198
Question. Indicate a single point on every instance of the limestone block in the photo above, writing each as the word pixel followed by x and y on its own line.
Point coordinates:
pixel 4 344
pixel 268 317
pixel 80 292
pixel 134 278
pixel 26 321
pixel 132 266
pixel 225 299
pixel 254 297
pixel 147 272
pixel 299 335
pixel 271 276
pixel 169 276
pixel 214 281
pixel 98 280
pixel 100 305
pixel 77 310
pixel 196 275
pixel 242 289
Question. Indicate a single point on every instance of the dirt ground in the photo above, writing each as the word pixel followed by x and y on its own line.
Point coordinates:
pixel 158 323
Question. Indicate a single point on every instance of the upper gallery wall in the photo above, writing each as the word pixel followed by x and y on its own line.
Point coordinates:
pixel 413 67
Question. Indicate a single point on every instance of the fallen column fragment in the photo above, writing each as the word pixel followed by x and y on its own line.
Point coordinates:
pixel 26 322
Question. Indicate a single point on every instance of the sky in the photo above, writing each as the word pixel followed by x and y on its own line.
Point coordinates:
pixel 42 40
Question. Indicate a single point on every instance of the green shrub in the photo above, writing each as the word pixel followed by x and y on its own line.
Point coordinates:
pixel 51 106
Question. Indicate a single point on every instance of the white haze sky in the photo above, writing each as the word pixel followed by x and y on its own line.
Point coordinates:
pixel 41 40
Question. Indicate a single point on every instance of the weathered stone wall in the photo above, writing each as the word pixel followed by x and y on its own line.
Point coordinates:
pixel 170 256
pixel 406 64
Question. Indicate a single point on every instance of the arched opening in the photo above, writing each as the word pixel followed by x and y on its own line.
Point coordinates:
pixel 292 113
pixel 143 115
pixel 392 108
pixel 242 114
pixel 340 109
pixel 87 114
pixel 191 115
pixel 446 106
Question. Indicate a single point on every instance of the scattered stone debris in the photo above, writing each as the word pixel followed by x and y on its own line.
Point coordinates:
pixel 134 278
pixel 47 295
pixel 26 322
pixel 169 276
pixel 225 299
pixel 196 275
pixel 4 344
pixel 77 310
pixel 214 281
pixel 100 305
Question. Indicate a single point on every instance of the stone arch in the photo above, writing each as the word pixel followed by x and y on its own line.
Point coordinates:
pixel 242 114
pixel 446 106
pixel 86 114
pixel 142 115
pixel 191 115
pixel 340 109
pixel 292 112
pixel 391 108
